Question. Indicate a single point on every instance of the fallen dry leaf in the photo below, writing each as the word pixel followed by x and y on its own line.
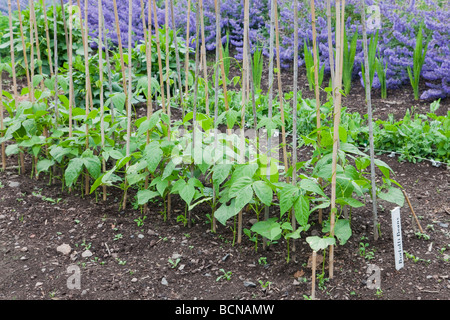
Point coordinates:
pixel 319 260
pixel 299 274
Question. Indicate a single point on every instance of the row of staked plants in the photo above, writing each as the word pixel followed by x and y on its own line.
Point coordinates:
pixel 189 157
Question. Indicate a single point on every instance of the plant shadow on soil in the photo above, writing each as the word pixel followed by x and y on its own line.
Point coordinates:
pixel 132 262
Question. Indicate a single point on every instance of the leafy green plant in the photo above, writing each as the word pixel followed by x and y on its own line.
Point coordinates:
pixel 349 59
pixel 226 275
pixel 174 264
pixel 257 67
pixel 416 259
pixel 61 42
pixel 364 249
pixel 420 51
pixel 309 63
pixel 381 72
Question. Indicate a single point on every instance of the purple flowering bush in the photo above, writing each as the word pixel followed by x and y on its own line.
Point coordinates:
pixel 400 25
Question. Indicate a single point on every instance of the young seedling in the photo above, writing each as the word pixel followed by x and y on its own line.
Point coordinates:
pixel 174 264
pixel 226 275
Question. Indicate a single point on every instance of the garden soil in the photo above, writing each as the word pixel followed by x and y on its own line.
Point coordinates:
pixel 164 260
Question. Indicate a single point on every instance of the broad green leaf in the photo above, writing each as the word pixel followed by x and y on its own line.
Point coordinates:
pixel 263 191
pixel 317 243
pixel 239 185
pixel 350 201
pixel 44 165
pixel 168 170
pixel 287 196
pixel 187 193
pixel 224 212
pixel 12 149
pixel 393 195
pixel 153 155
pixel 301 208
pixel 243 198
pixel 312 186
pixel 342 230
pixel 269 229
pixel 144 196
pixel 73 171
pixel 220 173
pixel 93 166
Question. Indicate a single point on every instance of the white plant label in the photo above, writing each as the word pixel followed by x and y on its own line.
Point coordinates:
pixel 397 236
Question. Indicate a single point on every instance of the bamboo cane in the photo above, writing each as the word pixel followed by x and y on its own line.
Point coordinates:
pixel 63 13
pixel 216 100
pixel 31 87
pixel 158 48
pixel 108 65
pixel 24 48
pixel 47 36
pixel 88 87
pixel 316 84
pixel 130 16
pixel 411 207
pixel 313 280
pixel 147 41
pixel 119 41
pixel 1 120
pixel 194 116
pixel 294 116
pixel 280 90
pixel 70 55
pixel 203 52
pixel 369 119
pixel 167 63
pixel 169 198
pixel 11 45
pixel 102 107
pixel 337 118
pixel 85 39
pixel 330 43
pixel 177 58
pixel 36 36
pixel 270 104
pixel 186 57
pixel 55 56
pixel 245 93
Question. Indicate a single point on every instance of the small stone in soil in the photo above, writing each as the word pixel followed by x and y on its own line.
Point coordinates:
pixel 64 249
pixel 249 284
pixel 164 282
pixel 86 254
